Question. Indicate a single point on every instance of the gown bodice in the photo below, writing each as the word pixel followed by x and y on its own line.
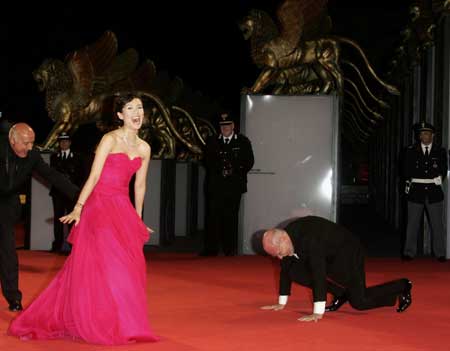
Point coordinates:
pixel 116 174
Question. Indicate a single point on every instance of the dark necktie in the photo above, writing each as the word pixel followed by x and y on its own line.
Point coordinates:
pixel 227 141
pixel 64 156
pixel 426 151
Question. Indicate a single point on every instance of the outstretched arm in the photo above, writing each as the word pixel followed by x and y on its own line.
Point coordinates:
pixel 140 181
pixel 284 288
pixel 103 149
pixel 56 178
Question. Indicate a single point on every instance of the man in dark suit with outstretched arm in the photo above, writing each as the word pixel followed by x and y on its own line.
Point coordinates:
pixel 326 257
pixel 18 160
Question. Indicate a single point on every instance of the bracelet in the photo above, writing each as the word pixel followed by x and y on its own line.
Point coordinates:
pixel 79 204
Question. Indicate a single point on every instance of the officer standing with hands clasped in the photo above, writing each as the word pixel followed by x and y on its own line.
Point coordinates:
pixel 70 164
pixel 425 169
pixel 228 159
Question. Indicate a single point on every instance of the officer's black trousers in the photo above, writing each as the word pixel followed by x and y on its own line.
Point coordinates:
pixel 222 221
pixel 435 215
pixel 61 207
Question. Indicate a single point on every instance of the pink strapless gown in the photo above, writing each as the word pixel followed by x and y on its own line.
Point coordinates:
pixel 99 295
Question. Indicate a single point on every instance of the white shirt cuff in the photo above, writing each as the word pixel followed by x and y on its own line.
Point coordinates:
pixel 282 299
pixel 319 307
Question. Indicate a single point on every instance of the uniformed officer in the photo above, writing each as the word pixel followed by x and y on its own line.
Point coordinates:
pixel 228 159
pixel 70 164
pixel 425 169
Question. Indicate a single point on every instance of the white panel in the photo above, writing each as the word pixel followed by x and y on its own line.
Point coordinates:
pixel 41 226
pixel 152 201
pixel 181 188
pixel 295 146
pixel 201 198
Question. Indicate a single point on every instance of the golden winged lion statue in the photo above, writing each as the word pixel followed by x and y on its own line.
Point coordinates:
pixel 297 55
pixel 291 63
pixel 80 89
pixel 75 87
pixel 294 56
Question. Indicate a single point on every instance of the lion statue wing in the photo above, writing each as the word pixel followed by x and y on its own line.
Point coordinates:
pixel 118 73
pixel 302 20
pixel 96 67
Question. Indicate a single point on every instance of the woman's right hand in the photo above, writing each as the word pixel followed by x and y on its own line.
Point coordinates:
pixel 73 216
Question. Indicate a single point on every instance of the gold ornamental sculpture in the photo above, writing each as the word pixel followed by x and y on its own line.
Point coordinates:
pixel 297 56
pixel 417 36
pixel 80 90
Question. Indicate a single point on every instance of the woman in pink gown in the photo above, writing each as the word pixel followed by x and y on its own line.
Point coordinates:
pixel 99 295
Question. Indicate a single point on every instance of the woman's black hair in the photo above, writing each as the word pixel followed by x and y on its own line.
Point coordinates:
pixel 120 100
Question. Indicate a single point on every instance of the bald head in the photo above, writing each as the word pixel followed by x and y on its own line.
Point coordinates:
pixel 276 243
pixel 21 139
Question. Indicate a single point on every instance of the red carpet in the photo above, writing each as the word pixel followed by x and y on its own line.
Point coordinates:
pixel 213 304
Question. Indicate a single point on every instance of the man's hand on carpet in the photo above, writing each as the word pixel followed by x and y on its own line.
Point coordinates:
pixel 312 317
pixel 277 307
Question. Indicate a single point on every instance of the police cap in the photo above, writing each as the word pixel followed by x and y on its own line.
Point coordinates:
pixel 63 136
pixel 425 127
pixel 225 119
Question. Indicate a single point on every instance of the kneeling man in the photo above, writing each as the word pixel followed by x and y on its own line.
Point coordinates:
pixel 324 256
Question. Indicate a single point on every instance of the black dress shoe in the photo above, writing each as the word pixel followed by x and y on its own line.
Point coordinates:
pixel 336 304
pixel 405 299
pixel 407 258
pixel 442 259
pixel 15 306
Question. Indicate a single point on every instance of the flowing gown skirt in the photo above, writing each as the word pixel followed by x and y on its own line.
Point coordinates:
pixel 99 295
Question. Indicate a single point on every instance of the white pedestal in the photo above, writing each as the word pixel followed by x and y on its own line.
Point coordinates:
pixel 41 224
pixel 294 140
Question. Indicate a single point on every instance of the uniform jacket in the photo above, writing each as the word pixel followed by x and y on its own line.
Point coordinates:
pixel 237 155
pixel 417 165
pixel 325 250
pixel 72 168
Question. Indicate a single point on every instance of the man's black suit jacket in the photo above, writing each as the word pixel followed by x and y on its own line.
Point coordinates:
pixel 18 171
pixel 326 250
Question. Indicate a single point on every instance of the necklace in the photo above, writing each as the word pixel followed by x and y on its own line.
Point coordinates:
pixel 124 137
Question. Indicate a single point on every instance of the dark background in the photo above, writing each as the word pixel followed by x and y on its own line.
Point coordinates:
pixel 198 41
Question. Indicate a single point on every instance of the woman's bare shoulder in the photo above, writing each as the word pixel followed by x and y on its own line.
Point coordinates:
pixel 108 140
pixel 144 148
pixel 111 135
